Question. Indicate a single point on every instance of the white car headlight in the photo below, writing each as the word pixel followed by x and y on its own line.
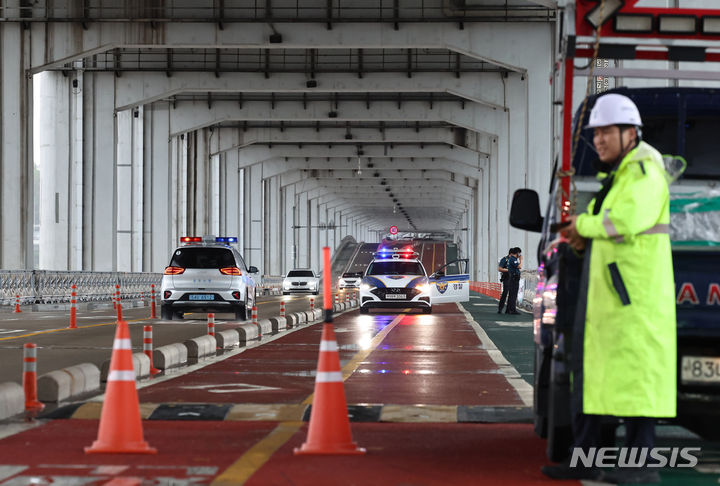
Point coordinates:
pixel 286 285
pixel 424 288
pixel 364 287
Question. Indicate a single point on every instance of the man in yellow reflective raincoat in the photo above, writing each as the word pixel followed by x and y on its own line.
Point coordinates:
pixel 628 360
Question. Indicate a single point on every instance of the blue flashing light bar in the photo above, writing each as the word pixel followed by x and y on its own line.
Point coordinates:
pixel 226 239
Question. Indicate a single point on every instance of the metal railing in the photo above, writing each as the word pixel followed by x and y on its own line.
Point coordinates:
pixel 52 287
pixel 528 283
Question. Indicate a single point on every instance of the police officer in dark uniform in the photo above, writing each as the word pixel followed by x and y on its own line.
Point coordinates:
pixel 505 279
pixel 514 267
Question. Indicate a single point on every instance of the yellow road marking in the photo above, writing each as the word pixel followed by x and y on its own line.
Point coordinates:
pixel 257 455
pixel 250 462
pixel 62 329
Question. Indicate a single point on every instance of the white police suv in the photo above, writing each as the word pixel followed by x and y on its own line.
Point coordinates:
pixel 207 274
pixel 396 278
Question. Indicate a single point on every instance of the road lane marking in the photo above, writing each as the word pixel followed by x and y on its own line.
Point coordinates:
pixel 250 462
pixel 522 387
pixel 62 329
pixel 257 455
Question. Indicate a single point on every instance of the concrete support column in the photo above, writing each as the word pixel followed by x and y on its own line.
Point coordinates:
pixel 253 223
pixel 199 183
pixel 290 231
pixel 302 211
pixel 179 188
pixel 232 209
pixel 137 191
pixel 159 189
pixel 52 156
pixel 99 214
pixel 273 246
pixel 75 198
pixel 129 190
pixel 314 247
pixel 16 159
pixel 214 195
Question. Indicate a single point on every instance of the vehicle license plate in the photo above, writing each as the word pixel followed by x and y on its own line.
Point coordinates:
pixel 395 296
pixel 700 369
pixel 202 297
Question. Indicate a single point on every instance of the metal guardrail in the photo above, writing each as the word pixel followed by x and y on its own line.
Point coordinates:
pixel 529 279
pixel 52 287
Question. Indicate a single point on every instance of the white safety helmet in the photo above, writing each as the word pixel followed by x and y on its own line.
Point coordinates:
pixel 614 109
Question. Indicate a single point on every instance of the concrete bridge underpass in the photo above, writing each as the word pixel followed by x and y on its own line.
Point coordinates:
pixel 124 128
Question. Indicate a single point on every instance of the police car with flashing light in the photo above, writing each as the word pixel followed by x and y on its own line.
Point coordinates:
pixel 207 274
pixel 396 278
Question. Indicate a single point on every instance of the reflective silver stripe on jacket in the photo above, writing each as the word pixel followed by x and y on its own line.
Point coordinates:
pixel 658 229
pixel 608 225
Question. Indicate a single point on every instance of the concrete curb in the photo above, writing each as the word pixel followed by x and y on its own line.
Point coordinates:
pixel 12 399
pixel 170 356
pixel 60 385
pixel 85 306
pixel 227 339
pixel 278 324
pixel 266 327
pixel 141 365
pixel 301 317
pixel 291 320
pixel 200 348
pixel 246 332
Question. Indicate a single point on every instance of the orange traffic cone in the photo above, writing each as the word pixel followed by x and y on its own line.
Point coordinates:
pixel 120 428
pixel 329 429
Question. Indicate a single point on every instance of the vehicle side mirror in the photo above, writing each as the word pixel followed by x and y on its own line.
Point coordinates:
pixel 525 211
pixel 252 269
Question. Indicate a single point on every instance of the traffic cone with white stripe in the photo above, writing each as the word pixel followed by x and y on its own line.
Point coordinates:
pixel 120 428
pixel 329 429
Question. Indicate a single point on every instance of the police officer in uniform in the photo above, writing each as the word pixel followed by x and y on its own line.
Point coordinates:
pixel 504 278
pixel 624 347
pixel 514 267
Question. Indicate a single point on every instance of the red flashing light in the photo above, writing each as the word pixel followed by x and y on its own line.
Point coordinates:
pixel 191 239
pixel 231 271
pixel 174 270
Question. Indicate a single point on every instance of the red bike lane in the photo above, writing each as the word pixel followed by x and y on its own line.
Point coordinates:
pixel 395 364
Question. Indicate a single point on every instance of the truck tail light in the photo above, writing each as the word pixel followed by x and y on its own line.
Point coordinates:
pixel 230 271
pixel 174 270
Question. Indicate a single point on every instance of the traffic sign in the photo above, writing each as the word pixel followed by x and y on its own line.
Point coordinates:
pixel 393 230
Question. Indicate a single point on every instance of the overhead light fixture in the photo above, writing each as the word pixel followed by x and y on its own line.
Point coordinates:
pixel 275 38
pixel 332 114
pixel 711 25
pixel 359 169
pixel 311 83
pixel 603 11
pixel 677 24
pixel 634 23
